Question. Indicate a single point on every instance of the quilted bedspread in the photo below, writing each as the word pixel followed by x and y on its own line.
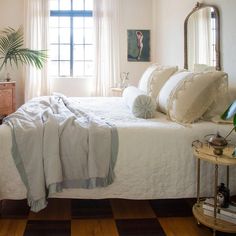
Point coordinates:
pixel 154 160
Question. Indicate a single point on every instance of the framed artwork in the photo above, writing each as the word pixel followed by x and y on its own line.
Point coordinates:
pixel 138 45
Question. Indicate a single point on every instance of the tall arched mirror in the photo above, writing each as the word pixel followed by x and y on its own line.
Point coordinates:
pixel 202 38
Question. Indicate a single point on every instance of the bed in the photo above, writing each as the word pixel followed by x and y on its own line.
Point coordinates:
pixel 154 159
pixel 153 126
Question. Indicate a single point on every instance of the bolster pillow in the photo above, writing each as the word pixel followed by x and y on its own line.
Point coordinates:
pixel 141 105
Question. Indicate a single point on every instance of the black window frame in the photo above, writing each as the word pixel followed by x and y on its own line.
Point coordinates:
pixel 70 13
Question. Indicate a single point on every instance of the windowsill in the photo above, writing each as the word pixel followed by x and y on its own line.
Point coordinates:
pixel 74 78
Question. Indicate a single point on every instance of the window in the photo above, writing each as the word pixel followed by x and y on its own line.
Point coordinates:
pixel 71 38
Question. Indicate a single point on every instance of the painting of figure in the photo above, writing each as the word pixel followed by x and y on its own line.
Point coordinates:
pixel 138 45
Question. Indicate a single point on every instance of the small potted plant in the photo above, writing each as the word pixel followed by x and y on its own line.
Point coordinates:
pixel 13 52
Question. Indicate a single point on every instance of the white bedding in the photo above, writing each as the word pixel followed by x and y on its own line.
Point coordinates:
pixel 154 161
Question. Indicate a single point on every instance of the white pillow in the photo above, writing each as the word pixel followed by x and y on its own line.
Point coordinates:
pixel 141 105
pixel 154 77
pixel 187 95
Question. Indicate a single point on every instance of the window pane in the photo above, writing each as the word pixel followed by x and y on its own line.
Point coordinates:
pixel 89 52
pixel 88 22
pixel 78 36
pixel 53 35
pixel 64 52
pixel 53 68
pixel 88 4
pixel 65 5
pixel 64 22
pixel 64 68
pixel 53 5
pixel 78 4
pixel 53 53
pixel 88 35
pixel 64 35
pixel 78 68
pixel 53 22
pixel 78 22
pixel 61 42
pixel 89 68
pixel 78 52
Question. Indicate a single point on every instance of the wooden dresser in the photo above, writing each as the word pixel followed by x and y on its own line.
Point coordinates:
pixel 7 98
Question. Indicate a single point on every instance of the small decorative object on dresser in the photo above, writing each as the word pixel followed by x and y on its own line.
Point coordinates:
pixel 7 98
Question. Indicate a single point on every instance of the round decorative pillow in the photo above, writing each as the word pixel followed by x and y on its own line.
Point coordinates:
pixel 141 105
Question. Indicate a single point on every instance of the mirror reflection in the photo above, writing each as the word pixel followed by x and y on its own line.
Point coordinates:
pixel 201 39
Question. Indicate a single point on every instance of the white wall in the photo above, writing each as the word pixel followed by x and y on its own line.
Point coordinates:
pixel 134 14
pixel 170 32
pixel 11 15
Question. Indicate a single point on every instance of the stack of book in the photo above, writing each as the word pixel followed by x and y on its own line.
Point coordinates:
pixel 227 214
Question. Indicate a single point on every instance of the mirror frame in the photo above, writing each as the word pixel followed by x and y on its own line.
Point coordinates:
pixel 217 46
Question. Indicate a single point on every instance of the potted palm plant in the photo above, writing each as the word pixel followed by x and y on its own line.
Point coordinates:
pixel 13 52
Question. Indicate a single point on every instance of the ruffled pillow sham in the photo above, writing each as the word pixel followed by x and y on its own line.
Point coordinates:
pixel 186 96
pixel 141 105
pixel 221 102
pixel 154 77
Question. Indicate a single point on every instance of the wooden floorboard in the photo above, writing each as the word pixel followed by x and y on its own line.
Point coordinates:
pixel 183 226
pixel 131 209
pixel 57 209
pixel 101 227
pixel 10 227
pixel 114 217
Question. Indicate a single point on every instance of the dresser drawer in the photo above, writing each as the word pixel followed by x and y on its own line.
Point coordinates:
pixel 7 86
pixel 7 98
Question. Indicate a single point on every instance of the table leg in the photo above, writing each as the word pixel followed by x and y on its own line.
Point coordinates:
pixel 198 180
pixel 215 195
pixel 214 232
pixel 227 177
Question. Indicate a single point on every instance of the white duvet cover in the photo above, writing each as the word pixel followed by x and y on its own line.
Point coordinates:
pixel 154 161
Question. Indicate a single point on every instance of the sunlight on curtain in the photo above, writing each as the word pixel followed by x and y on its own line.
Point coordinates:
pixel 204 56
pixel 36 34
pixel 200 36
pixel 106 19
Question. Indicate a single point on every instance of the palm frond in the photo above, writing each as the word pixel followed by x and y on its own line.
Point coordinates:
pixel 11 51
pixel 33 57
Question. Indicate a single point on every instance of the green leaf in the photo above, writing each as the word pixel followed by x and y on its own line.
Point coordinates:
pixel 230 112
pixel 234 122
pixel 234 152
pixel 11 51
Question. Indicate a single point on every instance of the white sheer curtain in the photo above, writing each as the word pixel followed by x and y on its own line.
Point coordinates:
pixel 205 42
pixel 106 19
pixel 36 37
pixel 200 38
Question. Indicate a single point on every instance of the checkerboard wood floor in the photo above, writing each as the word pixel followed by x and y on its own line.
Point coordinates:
pixel 114 217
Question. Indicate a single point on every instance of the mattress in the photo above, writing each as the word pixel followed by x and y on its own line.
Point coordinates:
pixel 154 160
